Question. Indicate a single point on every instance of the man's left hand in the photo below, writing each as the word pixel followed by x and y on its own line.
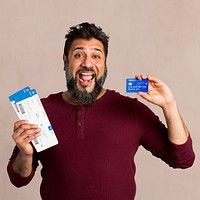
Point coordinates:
pixel 158 93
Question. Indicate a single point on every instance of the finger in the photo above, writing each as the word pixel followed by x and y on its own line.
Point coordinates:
pixel 153 79
pixel 27 138
pixel 19 123
pixel 25 129
pixel 27 135
pixel 146 76
pixel 140 77
pixel 33 136
pixel 30 132
pixel 24 145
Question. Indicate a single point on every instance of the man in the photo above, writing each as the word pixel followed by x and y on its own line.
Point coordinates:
pixel 99 130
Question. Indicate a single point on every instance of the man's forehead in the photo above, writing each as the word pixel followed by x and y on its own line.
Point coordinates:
pixel 87 44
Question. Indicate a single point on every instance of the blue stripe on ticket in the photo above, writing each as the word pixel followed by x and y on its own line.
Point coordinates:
pixel 19 93
pixel 135 85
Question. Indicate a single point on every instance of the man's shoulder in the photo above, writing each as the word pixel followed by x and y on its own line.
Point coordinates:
pixel 118 96
pixel 54 97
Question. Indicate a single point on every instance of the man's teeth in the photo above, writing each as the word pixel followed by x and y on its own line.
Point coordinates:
pixel 86 77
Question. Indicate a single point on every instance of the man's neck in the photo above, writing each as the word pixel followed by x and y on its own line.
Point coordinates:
pixel 69 98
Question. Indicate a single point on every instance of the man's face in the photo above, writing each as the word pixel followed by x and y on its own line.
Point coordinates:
pixel 85 71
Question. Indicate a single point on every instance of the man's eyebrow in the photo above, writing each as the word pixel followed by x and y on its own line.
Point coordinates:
pixel 97 49
pixel 82 48
pixel 77 48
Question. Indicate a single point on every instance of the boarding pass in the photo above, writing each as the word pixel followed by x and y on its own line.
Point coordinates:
pixel 28 106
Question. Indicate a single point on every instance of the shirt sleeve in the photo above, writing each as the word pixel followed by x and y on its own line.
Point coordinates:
pixel 155 139
pixel 183 155
pixel 16 179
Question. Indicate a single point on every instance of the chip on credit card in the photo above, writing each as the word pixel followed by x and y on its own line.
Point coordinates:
pixel 134 85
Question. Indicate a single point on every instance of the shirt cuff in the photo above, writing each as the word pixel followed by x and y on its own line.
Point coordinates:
pixel 15 178
pixel 183 154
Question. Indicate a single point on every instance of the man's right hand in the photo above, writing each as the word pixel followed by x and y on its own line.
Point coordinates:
pixel 23 134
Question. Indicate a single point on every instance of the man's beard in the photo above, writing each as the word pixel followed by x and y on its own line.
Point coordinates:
pixel 83 97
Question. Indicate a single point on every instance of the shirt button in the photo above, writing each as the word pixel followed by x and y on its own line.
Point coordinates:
pixel 79 113
pixel 79 124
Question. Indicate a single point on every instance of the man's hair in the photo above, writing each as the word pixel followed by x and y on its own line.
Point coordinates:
pixel 85 31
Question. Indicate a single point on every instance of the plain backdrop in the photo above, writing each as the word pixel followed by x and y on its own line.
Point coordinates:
pixel 157 37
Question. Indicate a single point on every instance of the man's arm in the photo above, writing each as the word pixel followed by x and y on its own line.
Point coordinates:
pixel 23 134
pixel 177 130
pixel 160 94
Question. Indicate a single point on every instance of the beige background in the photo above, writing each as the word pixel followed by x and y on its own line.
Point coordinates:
pixel 158 37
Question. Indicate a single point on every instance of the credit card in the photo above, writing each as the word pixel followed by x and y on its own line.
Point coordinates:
pixel 134 85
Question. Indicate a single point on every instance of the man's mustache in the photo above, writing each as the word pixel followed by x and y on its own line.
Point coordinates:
pixel 85 69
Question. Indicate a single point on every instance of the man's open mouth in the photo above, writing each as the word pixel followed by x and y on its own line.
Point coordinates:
pixel 86 76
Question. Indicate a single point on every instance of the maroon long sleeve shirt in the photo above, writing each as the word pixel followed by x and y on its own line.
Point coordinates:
pixel 94 159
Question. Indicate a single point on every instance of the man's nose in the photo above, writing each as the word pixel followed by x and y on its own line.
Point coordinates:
pixel 87 62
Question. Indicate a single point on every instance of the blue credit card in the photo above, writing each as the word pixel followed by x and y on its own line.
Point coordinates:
pixel 135 85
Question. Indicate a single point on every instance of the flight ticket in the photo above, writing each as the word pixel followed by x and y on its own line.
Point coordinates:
pixel 28 106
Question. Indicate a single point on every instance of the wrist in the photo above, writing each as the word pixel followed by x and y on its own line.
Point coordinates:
pixel 171 112
pixel 170 106
pixel 24 155
pixel 22 164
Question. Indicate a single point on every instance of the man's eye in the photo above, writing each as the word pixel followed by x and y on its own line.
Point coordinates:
pixel 96 56
pixel 78 55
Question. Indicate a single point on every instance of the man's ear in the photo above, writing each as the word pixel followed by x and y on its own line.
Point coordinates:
pixel 65 61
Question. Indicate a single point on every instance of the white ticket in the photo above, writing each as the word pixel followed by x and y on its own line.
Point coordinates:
pixel 28 106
